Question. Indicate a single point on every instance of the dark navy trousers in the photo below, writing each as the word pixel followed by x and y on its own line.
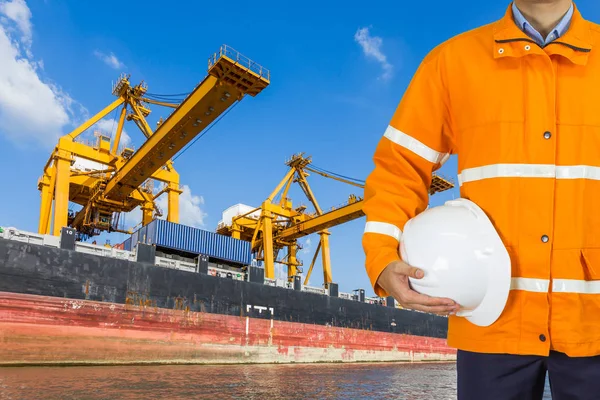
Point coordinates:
pixel 515 377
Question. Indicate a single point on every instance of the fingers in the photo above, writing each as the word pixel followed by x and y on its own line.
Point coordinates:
pixel 394 279
pixel 439 310
pixel 412 297
pixel 434 307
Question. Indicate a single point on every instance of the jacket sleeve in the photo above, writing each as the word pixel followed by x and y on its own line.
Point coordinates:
pixel 415 144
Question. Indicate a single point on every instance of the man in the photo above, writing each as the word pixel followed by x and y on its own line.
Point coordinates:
pixel 518 101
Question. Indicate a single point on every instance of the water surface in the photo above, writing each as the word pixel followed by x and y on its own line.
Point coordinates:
pixel 316 381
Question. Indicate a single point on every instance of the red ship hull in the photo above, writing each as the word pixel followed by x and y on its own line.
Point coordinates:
pixel 52 330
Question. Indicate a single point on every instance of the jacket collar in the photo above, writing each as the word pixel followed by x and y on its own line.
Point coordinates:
pixel 575 44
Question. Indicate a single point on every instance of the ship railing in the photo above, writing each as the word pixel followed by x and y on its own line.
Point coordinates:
pixel 224 273
pixel 283 283
pixel 103 251
pixel 312 289
pixel 11 233
pixel 374 300
pixel 239 59
pixel 346 296
pixel 176 264
pixel 271 282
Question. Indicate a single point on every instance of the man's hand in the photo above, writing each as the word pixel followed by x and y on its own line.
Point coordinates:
pixel 394 280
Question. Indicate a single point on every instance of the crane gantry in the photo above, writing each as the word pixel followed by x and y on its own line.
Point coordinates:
pixel 276 225
pixel 106 181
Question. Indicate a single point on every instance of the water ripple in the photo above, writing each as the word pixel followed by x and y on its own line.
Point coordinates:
pixel 256 382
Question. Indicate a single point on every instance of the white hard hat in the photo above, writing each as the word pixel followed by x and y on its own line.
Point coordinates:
pixel 462 257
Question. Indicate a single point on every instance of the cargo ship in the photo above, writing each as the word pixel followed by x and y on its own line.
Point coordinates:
pixel 69 302
pixel 176 294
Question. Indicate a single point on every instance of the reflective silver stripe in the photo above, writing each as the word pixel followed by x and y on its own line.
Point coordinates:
pixel 558 285
pixel 578 172
pixel 528 171
pixel 383 228
pixel 412 144
pixel 506 171
pixel 445 158
pixel 530 284
pixel 575 286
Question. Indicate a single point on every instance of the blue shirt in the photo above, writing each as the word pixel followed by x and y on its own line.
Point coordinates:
pixel 558 30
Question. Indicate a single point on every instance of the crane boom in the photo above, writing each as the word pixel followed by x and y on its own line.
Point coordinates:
pixel 231 76
pixel 349 212
pixel 107 178
pixel 324 221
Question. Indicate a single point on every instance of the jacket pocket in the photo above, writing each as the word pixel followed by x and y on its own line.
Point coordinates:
pixel 591 263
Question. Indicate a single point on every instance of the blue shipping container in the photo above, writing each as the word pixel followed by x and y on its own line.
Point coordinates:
pixel 193 240
pixel 143 235
pixel 134 239
pixel 127 244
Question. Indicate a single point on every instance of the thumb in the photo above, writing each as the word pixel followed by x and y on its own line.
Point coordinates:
pixel 413 272
pixel 416 273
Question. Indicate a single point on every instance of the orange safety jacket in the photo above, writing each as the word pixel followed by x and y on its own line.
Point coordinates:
pixel 524 122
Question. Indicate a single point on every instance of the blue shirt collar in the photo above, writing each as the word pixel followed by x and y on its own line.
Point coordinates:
pixel 557 32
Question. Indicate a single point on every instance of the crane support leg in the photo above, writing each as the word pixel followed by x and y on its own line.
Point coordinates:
pixel 49 220
pixel 52 185
pixel 45 204
pixel 147 212
pixel 287 178
pixel 117 137
pixel 236 231
pixel 82 128
pixel 173 193
pixel 326 259
pixel 268 246
pixel 292 261
pixel 312 264
pixel 52 195
pixel 61 202
pixel 141 121
pixel 308 191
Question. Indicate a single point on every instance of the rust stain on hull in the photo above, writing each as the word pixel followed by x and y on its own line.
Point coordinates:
pixel 49 330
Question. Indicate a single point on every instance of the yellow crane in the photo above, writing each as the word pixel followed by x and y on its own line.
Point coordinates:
pixel 276 225
pixel 107 181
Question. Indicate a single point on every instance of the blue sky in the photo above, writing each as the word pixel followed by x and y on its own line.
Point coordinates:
pixel 329 97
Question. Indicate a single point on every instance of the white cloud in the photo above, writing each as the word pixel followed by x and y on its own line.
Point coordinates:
pixel 190 211
pixel 306 248
pixel 32 110
pixel 109 59
pixel 371 46
pixel 18 12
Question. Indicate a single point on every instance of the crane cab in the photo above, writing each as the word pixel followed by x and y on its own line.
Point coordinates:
pixel 127 153
pixel 102 220
pixel 102 143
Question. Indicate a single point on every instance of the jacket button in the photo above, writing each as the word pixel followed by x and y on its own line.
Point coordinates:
pixel 545 238
pixel 547 135
pixel 543 337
